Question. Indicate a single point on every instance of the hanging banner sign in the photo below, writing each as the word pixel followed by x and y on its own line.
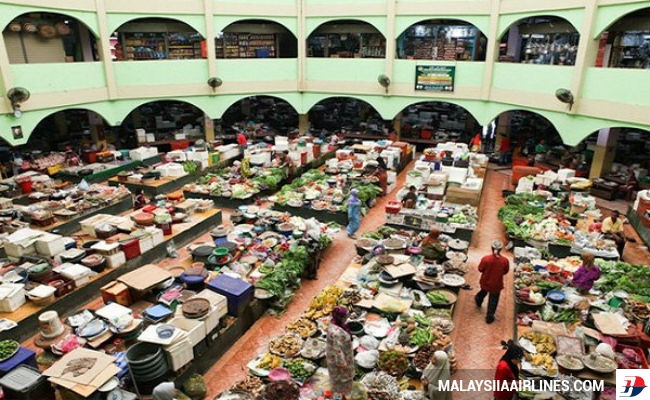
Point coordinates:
pixel 434 78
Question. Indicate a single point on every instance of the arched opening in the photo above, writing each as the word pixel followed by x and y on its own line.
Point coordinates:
pixel 348 115
pixel 346 39
pixel 162 121
pixel 75 127
pixel 628 150
pixel 44 37
pixel 527 138
pixel 156 39
pixel 442 39
pixel 431 122
pixel 626 43
pixel 256 39
pixel 266 115
pixel 540 39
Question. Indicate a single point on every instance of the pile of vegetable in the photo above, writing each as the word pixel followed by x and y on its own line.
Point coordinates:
pixel 393 362
pixel 618 275
pixel 286 274
pixel 237 183
pixel 527 216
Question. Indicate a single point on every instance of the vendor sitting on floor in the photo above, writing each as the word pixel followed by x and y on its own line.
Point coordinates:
pixel 432 248
pixel 375 169
pixel 411 198
pixel 587 274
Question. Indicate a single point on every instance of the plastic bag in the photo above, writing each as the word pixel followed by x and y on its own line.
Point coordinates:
pixel 171 249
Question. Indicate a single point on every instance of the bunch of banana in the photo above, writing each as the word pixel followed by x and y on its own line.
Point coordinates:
pixel 269 361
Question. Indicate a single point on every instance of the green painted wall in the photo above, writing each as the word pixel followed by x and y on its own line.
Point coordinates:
pixel 468 74
pixel 609 14
pixel 344 69
pixel 166 72
pixel 634 89
pixel 278 69
pixel 538 78
pixel 59 77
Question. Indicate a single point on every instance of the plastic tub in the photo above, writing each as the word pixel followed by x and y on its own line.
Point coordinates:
pixel 26 383
pixel 147 361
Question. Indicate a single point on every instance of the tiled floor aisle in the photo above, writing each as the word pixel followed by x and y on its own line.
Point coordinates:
pixel 476 343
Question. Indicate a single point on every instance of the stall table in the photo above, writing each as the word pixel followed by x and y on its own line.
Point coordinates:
pixel 107 173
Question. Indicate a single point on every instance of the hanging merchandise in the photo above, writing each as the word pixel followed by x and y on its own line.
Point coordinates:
pixel 47 31
pixel 62 28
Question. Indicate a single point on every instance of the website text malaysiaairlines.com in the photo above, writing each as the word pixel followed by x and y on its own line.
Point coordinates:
pixel 485 385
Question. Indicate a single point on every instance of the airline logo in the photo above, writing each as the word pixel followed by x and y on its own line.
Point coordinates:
pixel 632 384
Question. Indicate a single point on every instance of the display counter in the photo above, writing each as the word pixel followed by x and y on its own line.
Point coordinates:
pixel 27 315
pixel 152 188
pixel 112 169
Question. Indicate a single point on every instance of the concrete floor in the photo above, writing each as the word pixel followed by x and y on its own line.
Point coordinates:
pixel 477 344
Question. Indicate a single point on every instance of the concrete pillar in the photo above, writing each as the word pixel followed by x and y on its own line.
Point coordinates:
pixel 208 127
pixel 604 153
pixel 303 123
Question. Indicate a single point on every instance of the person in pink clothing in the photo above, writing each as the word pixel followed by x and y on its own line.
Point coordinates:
pixel 587 274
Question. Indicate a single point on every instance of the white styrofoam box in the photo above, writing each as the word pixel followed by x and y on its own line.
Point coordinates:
pixel 525 185
pixel 177 155
pixel 175 170
pixel 195 328
pixel 455 174
pixel 150 137
pixel 116 260
pixel 198 155
pixel 416 181
pixel 179 136
pixel 295 157
pixel 219 309
pixel 157 236
pixel 281 140
pixel 260 158
pixel 12 296
pixel 563 174
pixel 332 163
pixel 22 242
pixel 134 178
pixel 141 135
pixel 473 183
pixel 138 154
pixel 146 243
pixel 105 248
pixel 6 203
pixel 179 354
pixel 49 244
pixel 78 273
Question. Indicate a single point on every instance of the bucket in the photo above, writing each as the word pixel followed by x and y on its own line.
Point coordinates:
pixel 50 324
pixel 147 361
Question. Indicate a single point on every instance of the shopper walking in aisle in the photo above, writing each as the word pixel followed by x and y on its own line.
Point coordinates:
pixel 613 229
pixel 354 213
pixel 339 352
pixel 492 267
pixel 508 369
pixel 587 274
pixel 436 371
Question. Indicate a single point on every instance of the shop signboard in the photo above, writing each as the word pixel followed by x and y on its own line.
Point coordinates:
pixel 434 78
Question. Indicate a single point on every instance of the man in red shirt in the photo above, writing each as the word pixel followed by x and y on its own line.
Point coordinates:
pixel 492 268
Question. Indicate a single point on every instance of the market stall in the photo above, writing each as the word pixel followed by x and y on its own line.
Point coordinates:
pixel 107 247
pixel 323 195
pixel 394 336
pixel 140 305
pixel 108 165
pixel 557 224
pixel 60 211
pixel 588 334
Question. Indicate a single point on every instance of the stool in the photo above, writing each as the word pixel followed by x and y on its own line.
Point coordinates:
pixel 24 356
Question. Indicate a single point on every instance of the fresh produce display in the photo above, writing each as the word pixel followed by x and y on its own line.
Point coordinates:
pixel 8 348
pixel 300 368
pixel 438 297
pixel 543 342
pixel 303 327
pixel 323 304
pixel 323 191
pixel 251 385
pixel 237 182
pixel 281 390
pixel 269 361
pixel 393 362
pixel 628 358
pixel 618 275
pixel 422 336
pixel 286 346
pixel 528 216
pixel 423 357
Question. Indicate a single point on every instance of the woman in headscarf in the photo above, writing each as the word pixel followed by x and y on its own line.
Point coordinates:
pixel 339 353
pixel 436 371
pixel 354 213
pixel 432 248
pixel 508 369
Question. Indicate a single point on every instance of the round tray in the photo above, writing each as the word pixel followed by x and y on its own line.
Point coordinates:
pixel 196 308
pixel 600 364
pixel 570 362
pixel 385 259
pixel 16 344
pixel 452 280
pixel 291 352
pixel 309 327
pixel 451 297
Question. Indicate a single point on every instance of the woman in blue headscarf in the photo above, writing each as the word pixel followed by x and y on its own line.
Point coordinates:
pixel 354 213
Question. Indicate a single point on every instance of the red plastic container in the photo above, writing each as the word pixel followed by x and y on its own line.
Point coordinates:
pixel 131 248
pixel 26 186
pixel 393 207
pixel 166 228
pixel 180 144
pixel 644 362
